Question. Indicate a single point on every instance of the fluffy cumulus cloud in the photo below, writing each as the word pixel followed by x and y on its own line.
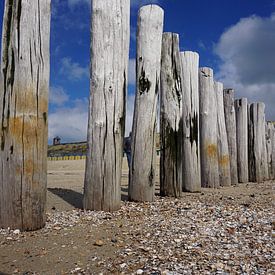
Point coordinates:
pixel 248 60
pixel 73 70
pixel 58 96
pixel 70 123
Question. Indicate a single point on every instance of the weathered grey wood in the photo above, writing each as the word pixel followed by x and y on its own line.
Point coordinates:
pixel 223 150
pixel 24 114
pixel 269 147
pixel 170 117
pixel 191 178
pixel 109 67
pixel 149 40
pixel 242 139
pixel 208 129
pixel 258 169
pixel 273 151
pixel 230 122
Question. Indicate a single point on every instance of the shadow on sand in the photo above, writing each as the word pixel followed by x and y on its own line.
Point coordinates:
pixel 75 198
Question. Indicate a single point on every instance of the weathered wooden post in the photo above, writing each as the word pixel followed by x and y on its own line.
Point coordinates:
pixel 208 129
pixel 223 151
pixel 24 114
pixel 242 139
pixel 257 143
pixel 273 151
pixel 191 177
pixel 109 67
pixel 149 40
pixel 269 131
pixel 230 122
pixel 170 117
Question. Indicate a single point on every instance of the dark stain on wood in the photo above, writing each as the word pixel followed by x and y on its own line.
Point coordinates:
pixel 144 83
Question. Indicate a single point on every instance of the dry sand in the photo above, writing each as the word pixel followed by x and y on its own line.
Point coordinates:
pixel 168 236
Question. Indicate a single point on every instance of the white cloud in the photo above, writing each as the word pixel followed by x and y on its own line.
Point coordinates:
pixel 248 60
pixel 73 70
pixel 58 96
pixel 132 71
pixel 129 114
pixel 70 123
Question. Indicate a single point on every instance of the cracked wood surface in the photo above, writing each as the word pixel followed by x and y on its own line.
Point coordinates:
pixel 24 113
pixel 242 139
pixel 258 168
pixel 109 77
pixel 191 178
pixel 223 151
pixel 143 166
pixel 270 146
pixel 170 117
pixel 230 122
pixel 208 129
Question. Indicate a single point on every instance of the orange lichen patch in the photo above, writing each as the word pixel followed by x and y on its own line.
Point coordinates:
pixel 212 151
pixel 224 160
pixel 28 167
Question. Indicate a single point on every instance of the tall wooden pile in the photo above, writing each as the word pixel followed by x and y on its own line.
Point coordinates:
pixel 242 139
pixel 258 168
pixel 109 74
pixel 170 117
pixel 191 178
pixel 24 114
pixel 143 165
pixel 208 129
pixel 223 150
pixel 230 122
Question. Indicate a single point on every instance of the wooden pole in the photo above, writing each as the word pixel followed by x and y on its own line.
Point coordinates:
pixel 191 178
pixel 223 150
pixel 230 122
pixel 24 114
pixel 109 75
pixel 149 40
pixel 269 147
pixel 170 117
pixel 242 139
pixel 257 143
pixel 273 151
pixel 208 129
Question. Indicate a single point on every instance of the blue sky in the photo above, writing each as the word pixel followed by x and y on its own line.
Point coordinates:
pixel 234 37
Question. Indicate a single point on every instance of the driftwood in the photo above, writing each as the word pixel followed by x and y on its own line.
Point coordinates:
pixel 230 122
pixel 109 70
pixel 24 114
pixel 191 178
pixel 170 117
pixel 242 139
pixel 208 129
pixel 143 166
pixel 258 169
pixel 223 151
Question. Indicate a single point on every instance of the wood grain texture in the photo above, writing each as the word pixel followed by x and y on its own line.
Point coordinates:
pixel 149 41
pixel 230 122
pixel 170 117
pixel 109 73
pixel 258 169
pixel 24 113
pixel 208 129
pixel 242 139
pixel 270 132
pixel 273 152
pixel 191 127
pixel 223 150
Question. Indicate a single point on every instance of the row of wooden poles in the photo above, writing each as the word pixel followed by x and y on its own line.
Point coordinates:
pixel 206 139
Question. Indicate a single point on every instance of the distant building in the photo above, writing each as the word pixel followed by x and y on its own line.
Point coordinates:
pixel 56 141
